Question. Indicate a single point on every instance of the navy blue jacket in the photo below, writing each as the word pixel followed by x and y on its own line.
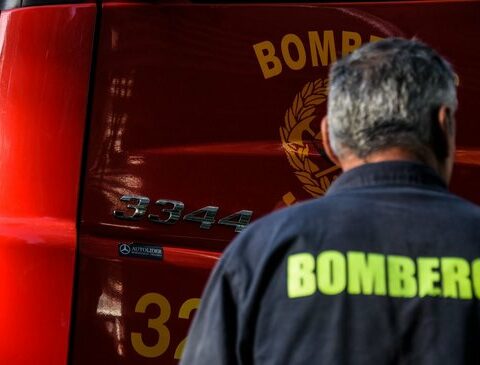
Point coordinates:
pixel 384 269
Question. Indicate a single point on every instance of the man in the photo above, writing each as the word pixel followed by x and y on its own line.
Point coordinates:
pixel 385 269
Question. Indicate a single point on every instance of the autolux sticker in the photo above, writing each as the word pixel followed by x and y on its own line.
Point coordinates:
pixel 140 250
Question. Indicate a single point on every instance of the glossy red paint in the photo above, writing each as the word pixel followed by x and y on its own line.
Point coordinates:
pixel 44 68
pixel 182 111
pixel 110 288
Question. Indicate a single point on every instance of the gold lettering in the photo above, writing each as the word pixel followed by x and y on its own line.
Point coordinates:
pixel 269 63
pixel 374 38
pixel 325 50
pixel 350 42
pixel 292 39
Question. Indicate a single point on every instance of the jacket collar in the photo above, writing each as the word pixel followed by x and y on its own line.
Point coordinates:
pixel 404 173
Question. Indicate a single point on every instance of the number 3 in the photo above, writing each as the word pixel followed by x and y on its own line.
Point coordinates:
pixel 139 209
pixel 158 324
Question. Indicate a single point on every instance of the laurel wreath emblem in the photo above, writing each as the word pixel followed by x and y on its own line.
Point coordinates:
pixel 298 119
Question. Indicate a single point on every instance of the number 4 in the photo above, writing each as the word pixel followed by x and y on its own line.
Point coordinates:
pixel 239 219
pixel 206 218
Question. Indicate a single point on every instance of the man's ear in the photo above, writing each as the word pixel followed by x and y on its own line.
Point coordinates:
pixel 443 134
pixel 445 120
pixel 446 127
pixel 326 142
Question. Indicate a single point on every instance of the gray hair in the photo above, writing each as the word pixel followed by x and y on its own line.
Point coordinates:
pixel 388 94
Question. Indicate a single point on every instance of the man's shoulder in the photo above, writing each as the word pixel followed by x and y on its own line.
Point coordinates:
pixel 464 209
pixel 465 204
pixel 281 226
pixel 264 243
pixel 293 218
pixel 312 216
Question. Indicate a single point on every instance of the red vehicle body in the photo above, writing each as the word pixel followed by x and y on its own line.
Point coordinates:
pixel 194 106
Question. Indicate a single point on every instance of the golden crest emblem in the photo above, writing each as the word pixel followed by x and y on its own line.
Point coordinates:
pixel 301 141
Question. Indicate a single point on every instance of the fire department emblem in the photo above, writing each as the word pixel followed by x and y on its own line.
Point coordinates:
pixel 301 141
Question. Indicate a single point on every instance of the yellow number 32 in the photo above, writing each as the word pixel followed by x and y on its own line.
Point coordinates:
pixel 158 324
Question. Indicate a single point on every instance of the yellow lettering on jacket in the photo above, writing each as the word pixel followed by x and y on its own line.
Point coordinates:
pixel 333 272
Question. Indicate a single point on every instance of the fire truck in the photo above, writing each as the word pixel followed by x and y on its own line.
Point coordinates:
pixel 138 138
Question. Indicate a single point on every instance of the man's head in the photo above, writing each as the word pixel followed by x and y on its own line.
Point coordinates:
pixel 391 100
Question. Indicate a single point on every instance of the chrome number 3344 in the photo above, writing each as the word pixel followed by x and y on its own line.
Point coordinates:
pixel 171 212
